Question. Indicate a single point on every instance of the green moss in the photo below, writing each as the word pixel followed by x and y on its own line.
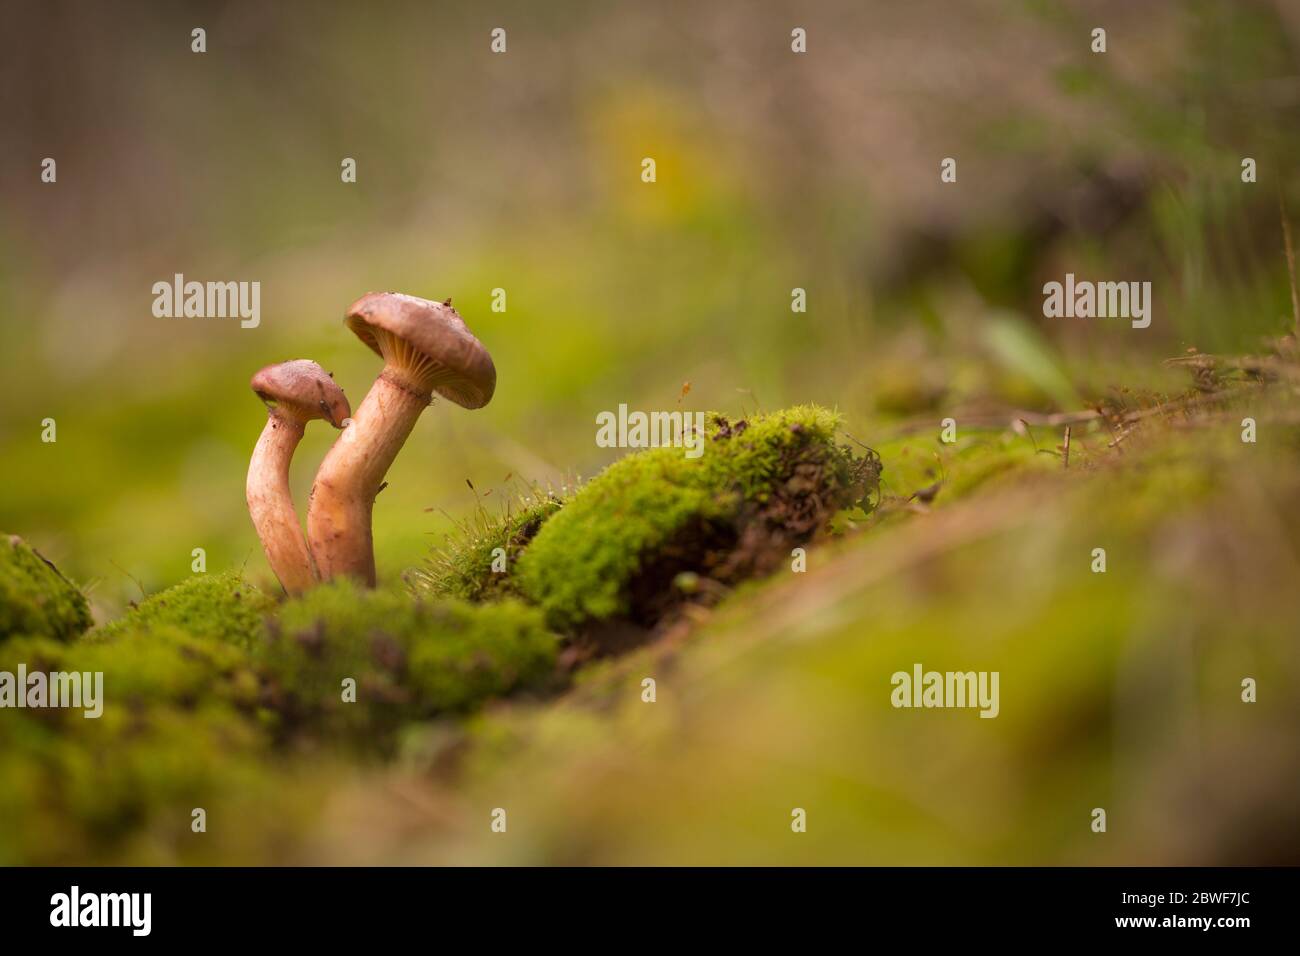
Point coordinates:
pixel 177 731
pixel 220 607
pixel 410 659
pixel 35 599
pixel 758 488
pixel 188 721
pixel 463 567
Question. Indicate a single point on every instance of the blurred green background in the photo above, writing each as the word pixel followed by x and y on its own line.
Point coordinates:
pixel 522 172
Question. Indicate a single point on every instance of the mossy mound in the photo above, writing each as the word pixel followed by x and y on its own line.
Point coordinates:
pixel 760 488
pixel 470 566
pixel 35 599
pixel 176 730
pixel 221 607
pixel 199 720
pixel 410 659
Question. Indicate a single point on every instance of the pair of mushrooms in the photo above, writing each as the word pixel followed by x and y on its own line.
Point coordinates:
pixel 426 348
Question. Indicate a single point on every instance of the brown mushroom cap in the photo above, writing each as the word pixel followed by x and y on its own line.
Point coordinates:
pixel 302 389
pixel 427 341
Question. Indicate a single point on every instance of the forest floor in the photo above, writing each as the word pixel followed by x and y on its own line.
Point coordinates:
pixel 1126 594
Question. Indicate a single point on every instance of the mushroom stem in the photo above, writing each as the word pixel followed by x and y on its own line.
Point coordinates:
pixel 270 502
pixel 343 495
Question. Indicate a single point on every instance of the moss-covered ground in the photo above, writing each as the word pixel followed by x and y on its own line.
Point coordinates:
pixel 35 599
pixel 407 659
pixel 757 489
pixel 220 606
pixel 775 585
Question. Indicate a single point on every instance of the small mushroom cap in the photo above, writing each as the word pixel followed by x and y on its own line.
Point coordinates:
pixel 430 341
pixel 303 389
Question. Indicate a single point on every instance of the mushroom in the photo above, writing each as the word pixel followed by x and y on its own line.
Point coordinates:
pixel 295 392
pixel 426 348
